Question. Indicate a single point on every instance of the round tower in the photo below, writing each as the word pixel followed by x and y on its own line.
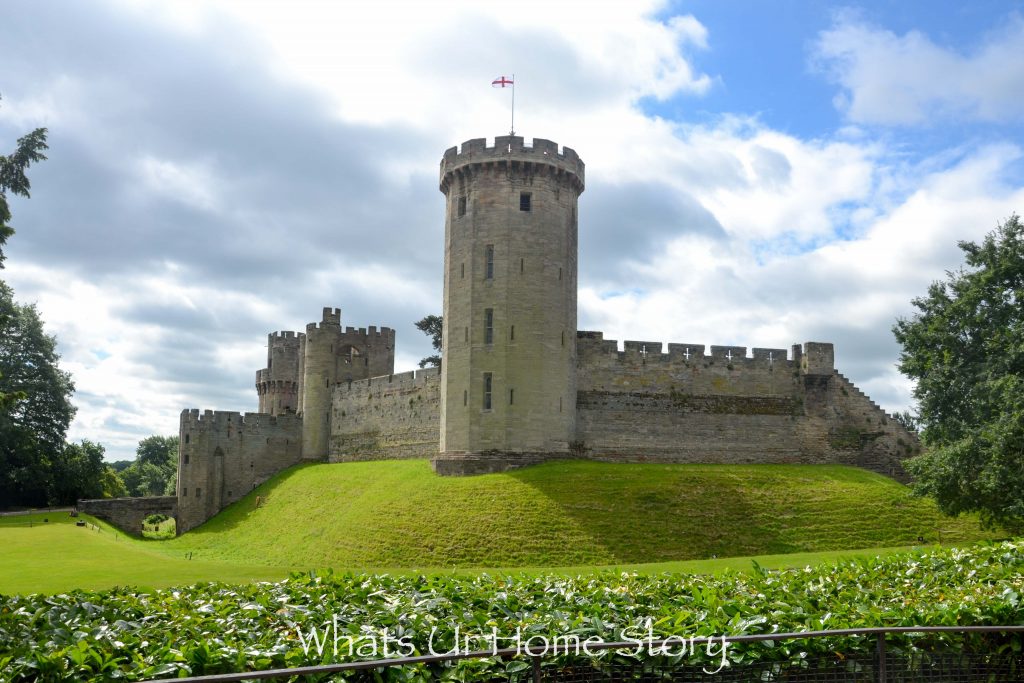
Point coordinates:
pixel 508 379
pixel 278 384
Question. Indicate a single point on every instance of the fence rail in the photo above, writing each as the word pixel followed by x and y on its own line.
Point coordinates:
pixel 883 665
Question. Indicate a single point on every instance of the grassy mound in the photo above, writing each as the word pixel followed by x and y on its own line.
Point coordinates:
pixel 569 513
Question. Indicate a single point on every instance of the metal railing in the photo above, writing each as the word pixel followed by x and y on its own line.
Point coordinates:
pixel 882 665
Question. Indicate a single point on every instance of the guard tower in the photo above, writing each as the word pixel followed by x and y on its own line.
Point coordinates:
pixel 508 379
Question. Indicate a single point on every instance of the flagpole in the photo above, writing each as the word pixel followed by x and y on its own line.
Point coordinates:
pixel 513 130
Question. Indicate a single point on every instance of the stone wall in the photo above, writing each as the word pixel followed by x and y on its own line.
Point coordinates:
pixel 127 514
pixel 225 455
pixel 386 418
pixel 640 404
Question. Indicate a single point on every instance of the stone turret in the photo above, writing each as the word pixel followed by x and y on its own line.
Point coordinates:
pixel 508 385
pixel 332 355
pixel 278 384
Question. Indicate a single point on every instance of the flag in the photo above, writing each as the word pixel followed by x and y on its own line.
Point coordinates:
pixel 502 82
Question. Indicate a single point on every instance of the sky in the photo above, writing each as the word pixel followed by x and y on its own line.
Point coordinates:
pixel 758 174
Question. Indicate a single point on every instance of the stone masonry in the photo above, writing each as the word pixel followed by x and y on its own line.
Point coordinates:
pixel 519 384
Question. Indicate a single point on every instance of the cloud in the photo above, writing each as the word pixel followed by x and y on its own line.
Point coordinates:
pixel 700 288
pixel 221 170
pixel 908 79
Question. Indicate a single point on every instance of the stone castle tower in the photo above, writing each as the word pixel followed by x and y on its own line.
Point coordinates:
pixel 519 383
pixel 507 383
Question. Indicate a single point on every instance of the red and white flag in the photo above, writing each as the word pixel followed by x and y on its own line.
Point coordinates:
pixel 502 82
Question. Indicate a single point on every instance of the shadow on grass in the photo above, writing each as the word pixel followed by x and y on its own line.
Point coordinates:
pixel 624 505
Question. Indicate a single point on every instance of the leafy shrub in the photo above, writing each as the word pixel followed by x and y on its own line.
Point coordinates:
pixel 214 628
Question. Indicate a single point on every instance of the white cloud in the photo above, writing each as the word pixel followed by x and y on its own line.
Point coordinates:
pixel 198 206
pixel 905 80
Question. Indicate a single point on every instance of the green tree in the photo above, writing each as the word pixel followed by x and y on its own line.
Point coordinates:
pixel 965 350
pixel 155 469
pixel 113 487
pixel 77 472
pixel 32 428
pixel 13 179
pixel 29 149
pixel 433 326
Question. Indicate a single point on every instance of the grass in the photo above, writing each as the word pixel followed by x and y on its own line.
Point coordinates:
pixel 398 514
pixel 565 517
pixel 58 556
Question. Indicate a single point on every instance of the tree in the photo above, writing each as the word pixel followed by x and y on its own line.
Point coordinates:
pixel 113 487
pixel 432 325
pixel 32 428
pixel 155 469
pixel 77 472
pixel 965 350
pixel 13 179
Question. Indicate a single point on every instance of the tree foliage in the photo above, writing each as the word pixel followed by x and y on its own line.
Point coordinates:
pixel 13 179
pixel 432 326
pixel 155 469
pixel 32 427
pixel 965 350
pixel 29 149
pixel 78 472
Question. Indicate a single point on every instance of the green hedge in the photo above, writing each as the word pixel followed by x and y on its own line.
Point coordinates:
pixel 215 628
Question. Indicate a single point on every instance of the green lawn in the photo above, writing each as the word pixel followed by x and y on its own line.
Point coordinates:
pixel 58 556
pixel 400 515
pixel 572 516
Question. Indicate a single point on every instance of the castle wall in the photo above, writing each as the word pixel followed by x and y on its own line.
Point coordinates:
pixel 386 418
pixel 640 404
pixel 127 514
pixel 224 455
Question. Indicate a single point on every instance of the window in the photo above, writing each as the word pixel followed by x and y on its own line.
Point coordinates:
pixel 199 492
pixel 489 263
pixel 186 458
pixel 522 265
pixel 462 270
pixel 559 274
pixel 487 391
pixel 511 396
pixel 524 201
pixel 462 206
pixel 488 326
pixel 563 337
pixel 187 437
pixel 184 492
pixel 465 397
pixel 512 332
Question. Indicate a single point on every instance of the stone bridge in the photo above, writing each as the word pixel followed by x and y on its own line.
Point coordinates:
pixel 127 513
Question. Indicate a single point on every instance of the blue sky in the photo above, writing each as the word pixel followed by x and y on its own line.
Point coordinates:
pixel 758 173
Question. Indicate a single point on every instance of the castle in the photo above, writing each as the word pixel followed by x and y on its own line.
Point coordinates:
pixel 519 384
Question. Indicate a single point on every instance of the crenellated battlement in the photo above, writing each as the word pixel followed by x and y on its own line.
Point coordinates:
pixel 365 333
pixel 510 151
pixel 284 335
pixel 401 380
pixel 591 344
pixel 331 320
pixel 195 420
